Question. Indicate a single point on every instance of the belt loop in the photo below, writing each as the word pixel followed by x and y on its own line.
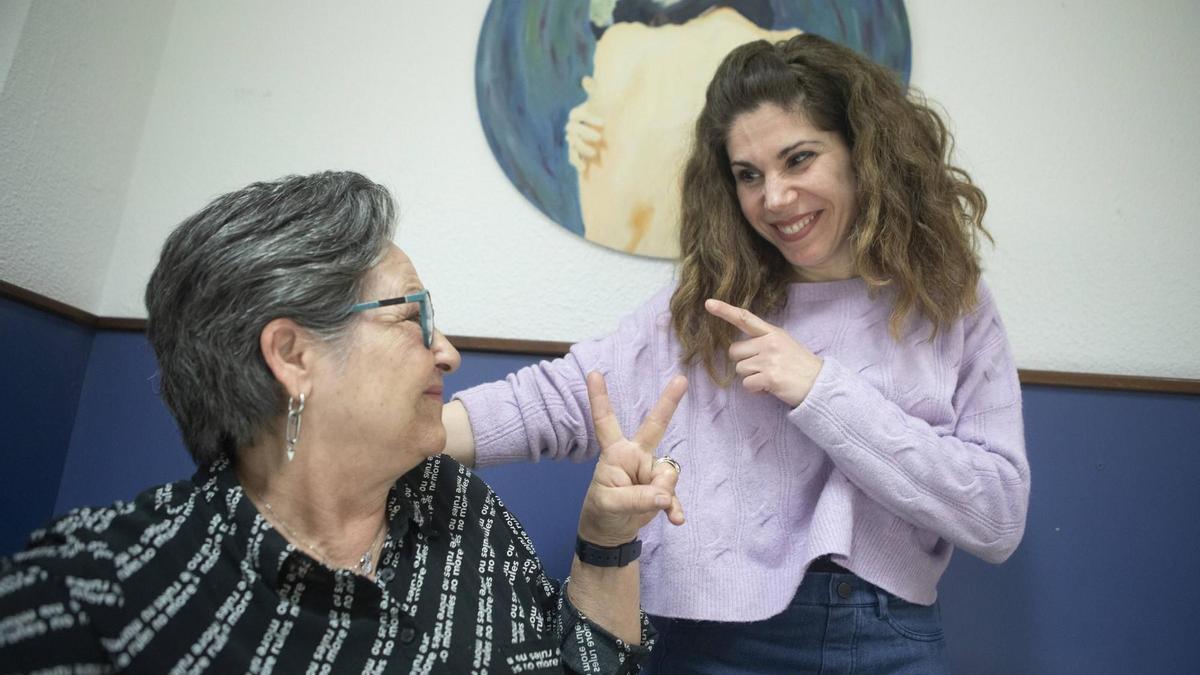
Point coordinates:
pixel 881 606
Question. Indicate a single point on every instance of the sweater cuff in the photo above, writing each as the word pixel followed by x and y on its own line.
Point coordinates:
pixel 823 388
pixel 836 391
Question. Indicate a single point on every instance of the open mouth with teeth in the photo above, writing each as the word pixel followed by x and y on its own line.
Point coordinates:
pixel 794 229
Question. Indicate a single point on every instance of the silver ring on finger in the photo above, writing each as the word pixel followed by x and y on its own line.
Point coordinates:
pixel 672 462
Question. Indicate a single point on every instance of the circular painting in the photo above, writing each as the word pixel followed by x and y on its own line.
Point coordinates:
pixel 589 106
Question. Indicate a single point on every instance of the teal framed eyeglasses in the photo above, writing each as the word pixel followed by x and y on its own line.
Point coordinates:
pixel 424 304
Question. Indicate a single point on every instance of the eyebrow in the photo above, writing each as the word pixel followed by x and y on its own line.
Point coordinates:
pixel 409 288
pixel 782 153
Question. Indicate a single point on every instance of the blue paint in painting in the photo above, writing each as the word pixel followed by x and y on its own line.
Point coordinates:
pixel 531 58
pixel 533 53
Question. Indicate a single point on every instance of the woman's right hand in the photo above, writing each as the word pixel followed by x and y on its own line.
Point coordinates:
pixel 771 360
pixel 628 488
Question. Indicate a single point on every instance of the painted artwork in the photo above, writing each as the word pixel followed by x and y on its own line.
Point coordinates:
pixel 589 106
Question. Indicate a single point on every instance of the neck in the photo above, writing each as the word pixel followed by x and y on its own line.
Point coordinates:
pixel 316 500
pixel 817 276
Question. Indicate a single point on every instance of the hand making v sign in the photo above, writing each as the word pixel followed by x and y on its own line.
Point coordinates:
pixel 628 486
pixel 771 360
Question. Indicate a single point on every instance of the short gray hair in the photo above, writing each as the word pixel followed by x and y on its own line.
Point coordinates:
pixel 298 247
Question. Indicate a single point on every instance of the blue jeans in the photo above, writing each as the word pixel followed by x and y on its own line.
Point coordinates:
pixel 836 623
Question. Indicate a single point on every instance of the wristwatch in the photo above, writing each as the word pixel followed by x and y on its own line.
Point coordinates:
pixel 607 556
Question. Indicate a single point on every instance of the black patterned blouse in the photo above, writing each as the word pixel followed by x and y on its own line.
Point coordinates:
pixel 190 578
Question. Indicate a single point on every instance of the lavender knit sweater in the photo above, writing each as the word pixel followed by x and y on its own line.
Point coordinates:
pixel 901 451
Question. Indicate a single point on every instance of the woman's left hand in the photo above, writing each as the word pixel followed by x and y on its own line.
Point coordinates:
pixel 628 487
pixel 771 360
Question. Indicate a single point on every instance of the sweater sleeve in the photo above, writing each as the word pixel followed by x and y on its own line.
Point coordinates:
pixel 970 484
pixel 539 412
pixel 542 411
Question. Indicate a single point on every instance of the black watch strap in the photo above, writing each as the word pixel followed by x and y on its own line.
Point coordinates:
pixel 607 556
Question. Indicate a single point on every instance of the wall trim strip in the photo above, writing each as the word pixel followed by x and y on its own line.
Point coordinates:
pixel 1050 378
pixel 27 297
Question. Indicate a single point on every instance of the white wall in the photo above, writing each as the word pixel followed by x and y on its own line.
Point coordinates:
pixel 1081 120
pixel 71 113
pixel 386 88
pixel 12 22
pixel 1078 119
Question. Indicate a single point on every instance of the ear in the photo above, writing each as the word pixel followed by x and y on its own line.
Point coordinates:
pixel 290 352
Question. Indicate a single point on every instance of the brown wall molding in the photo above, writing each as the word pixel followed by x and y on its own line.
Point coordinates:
pixel 1050 378
pixel 510 346
pixel 26 297
pixel 1162 385
pixel 117 323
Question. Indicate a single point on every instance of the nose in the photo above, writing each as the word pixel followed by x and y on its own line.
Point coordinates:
pixel 444 354
pixel 777 193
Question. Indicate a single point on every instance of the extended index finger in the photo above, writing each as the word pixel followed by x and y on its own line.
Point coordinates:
pixel 742 319
pixel 655 425
pixel 608 429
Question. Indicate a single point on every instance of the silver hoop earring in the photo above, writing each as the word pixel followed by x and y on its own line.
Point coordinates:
pixel 293 426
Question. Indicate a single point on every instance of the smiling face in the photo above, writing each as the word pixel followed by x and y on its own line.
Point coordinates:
pixel 387 388
pixel 796 187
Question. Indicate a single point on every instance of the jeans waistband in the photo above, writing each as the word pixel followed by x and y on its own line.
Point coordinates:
pixel 838 588
pixel 825 563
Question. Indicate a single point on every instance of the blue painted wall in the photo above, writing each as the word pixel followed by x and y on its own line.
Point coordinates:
pixel 42 363
pixel 124 439
pixel 1106 580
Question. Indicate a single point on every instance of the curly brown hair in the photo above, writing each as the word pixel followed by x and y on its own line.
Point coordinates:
pixel 919 216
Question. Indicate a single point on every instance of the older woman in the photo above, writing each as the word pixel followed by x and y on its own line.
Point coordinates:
pixel 854 412
pixel 323 532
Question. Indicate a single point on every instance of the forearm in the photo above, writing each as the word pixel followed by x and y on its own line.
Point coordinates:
pixel 970 488
pixel 627 491
pixel 460 440
pixel 609 596
pixel 537 413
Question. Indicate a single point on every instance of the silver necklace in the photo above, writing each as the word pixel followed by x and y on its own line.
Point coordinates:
pixel 366 562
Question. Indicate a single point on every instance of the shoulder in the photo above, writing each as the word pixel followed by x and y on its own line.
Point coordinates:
pixel 451 497
pixel 441 488
pixel 82 554
pixel 982 325
pixel 647 325
pixel 985 301
pixel 978 327
pixel 95 537
pixel 655 311
pixel 988 378
pixel 660 301
pixel 438 473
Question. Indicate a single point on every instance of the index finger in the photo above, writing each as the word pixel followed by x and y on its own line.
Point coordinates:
pixel 742 319
pixel 655 425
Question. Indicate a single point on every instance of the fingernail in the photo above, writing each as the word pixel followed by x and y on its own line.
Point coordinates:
pixel 662 501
